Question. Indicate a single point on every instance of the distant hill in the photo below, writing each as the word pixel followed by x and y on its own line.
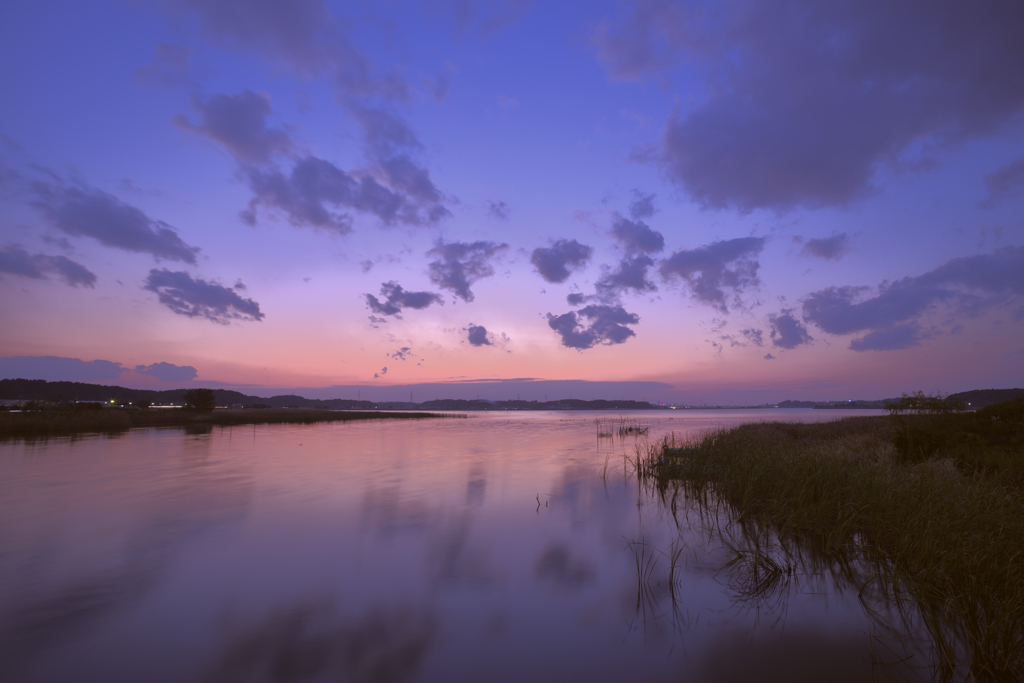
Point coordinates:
pixel 41 390
pixel 837 405
pixel 979 398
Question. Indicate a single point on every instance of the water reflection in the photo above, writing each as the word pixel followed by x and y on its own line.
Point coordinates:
pixel 495 548
pixel 312 642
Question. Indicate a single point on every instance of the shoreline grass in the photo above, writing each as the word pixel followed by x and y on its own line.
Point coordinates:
pixel 43 423
pixel 939 533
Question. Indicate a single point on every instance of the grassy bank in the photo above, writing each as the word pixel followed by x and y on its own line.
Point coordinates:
pixel 914 525
pixel 63 422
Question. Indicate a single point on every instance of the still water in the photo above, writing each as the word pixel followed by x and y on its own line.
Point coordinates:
pixel 502 547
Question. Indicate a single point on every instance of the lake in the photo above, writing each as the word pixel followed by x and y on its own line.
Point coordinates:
pixel 501 547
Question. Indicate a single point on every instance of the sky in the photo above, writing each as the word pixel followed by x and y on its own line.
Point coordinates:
pixel 717 202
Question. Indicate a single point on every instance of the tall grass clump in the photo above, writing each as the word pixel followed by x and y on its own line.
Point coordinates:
pixel 945 538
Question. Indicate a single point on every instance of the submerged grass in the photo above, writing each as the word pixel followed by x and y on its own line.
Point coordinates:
pixel 946 539
pixel 42 423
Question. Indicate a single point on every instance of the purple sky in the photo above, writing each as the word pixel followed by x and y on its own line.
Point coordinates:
pixel 717 202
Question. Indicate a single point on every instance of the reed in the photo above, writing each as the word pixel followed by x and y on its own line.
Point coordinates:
pixel 937 534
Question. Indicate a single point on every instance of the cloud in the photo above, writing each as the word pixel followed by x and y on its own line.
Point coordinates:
pixel 593 325
pixel 239 123
pixel 889 339
pixel 383 371
pixel 389 143
pixel 486 17
pixel 557 262
pixel 642 207
pixel 169 67
pixel 636 237
pixel 971 284
pixel 58 369
pixel 806 102
pixel 313 184
pixel 787 331
pixel 1004 183
pixel 715 270
pixel 631 275
pixel 401 354
pixel 769 356
pixel 477 335
pixel 16 261
pixel 755 337
pixel 827 247
pixel 497 209
pixel 105 218
pixel 301 35
pixel 197 298
pixel 460 264
pixel 168 372
pixel 396 298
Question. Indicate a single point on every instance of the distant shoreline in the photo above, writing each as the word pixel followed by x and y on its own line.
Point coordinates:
pixel 45 423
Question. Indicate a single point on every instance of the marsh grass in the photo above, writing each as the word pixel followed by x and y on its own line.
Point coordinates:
pixel 622 427
pixel 42 423
pixel 936 543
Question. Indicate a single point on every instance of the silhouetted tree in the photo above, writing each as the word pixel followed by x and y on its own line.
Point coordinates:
pixel 200 399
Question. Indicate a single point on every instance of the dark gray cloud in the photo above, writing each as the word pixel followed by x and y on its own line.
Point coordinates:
pixel 576 298
pixel 16 261
pixel 1003 183
pixel 557 262
pixel 498 209
pixel 827 247
pixel 593 325
pixel 636 237
pixel 301 34
pixel 460 264
pixel 395 299
pixel 105 218
pixel 970 284
pixel 197 298
pixel 314 184
pixel 58 369
pixel 630 276
pixel 714 271
pixel 642 206
pixel 807 101
pixel 787 331
pixel 169 68
pixel 239 123
pixel 477 335
pixel 168 372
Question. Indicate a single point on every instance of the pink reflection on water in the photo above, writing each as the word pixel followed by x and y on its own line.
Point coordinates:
pixel 490 548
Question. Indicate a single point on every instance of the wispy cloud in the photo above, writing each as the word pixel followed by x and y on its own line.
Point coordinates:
pixel 715 271
pixel 198 298
pixel 88 212
pixel 395 299
pixel 971 285
pixel 14 260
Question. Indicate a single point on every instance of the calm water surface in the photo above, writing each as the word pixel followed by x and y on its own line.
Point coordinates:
pixel 503 547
